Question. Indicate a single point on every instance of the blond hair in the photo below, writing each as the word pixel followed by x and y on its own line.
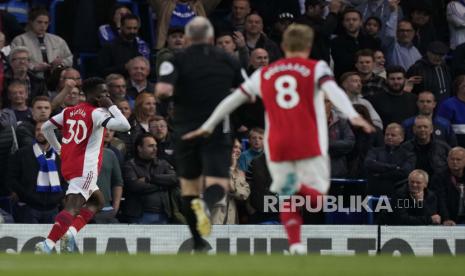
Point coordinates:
pixel 297 38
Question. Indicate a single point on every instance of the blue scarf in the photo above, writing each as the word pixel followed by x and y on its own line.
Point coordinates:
pixel 47 179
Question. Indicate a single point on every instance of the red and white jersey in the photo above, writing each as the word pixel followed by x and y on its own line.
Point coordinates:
pixel 294 107
pixel 82 142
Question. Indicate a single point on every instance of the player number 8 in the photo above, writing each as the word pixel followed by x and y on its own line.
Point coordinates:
pixel 77 130
pixel 287 96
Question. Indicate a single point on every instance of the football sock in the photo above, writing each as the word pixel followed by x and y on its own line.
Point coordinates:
pixel 309 192
pixel 212 195
pixel 191 218
pixel 62 222
pixel 84 216
pixel 292 221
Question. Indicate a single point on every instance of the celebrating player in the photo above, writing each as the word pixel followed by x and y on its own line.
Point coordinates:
pixel 83 129
pixel 293 91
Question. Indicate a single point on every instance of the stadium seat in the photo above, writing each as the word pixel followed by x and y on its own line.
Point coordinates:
pixel 53 18
pixel 17 8
pixel 87 64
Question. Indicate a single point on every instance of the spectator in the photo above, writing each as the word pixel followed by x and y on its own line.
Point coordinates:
pixel 435 74
pixel 442 129
pixel 240 10
pixel 399 47
pixel 449 186
pixel 47 51
pixel 386 10
pixel 341 142
pixel 138 69
pixel 256 148
pixel 431 154
pixel 373 26
pixel 19 110
pixel 344 46
pixel 174 42
pixel 416 204
pixel 171 13
pixel 19 60
pixel 258 58
pixel 453 109
pixel 41 110
pixel 279 26
pixel 365 64
pixel 165 145
pixel 144 110
pixel 420 15
pixel 226 211
pixel 123 105
pixel 364 142
pixel 114 144
pixel 38 184
pixel 9 26
pixel 114 56
pixel 110 182
pixel 387 165
pixel 458 60
pixel 456 19
pixel 379 70
pixel 352 84
pixel 70 78
pixel 259 179
pixel 148 181
pixel 255 37
pixel 116 87
pixel 403 101
pixel 109 32
pixel 323 27
pixel 234 43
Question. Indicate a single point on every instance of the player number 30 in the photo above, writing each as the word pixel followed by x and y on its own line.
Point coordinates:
pixel 77 131
pixel 287 96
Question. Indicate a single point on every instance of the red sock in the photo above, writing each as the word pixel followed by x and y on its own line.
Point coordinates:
pixel 291 222
pixel 62 222
pixel 311 192
pixel 84 216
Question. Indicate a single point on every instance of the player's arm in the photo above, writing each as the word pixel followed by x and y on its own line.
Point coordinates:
pixel 245 93
pixel 115 120
pixel 338 97
pixel 168 77
pixel 48 128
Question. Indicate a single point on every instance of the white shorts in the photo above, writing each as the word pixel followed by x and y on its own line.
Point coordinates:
pixel 84 185
pixel 289 175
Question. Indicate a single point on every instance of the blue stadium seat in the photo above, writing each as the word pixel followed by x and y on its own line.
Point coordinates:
pixel 87 64
pixel 53 9
pixel 17 8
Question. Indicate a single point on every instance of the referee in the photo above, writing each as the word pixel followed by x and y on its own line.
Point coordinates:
pixel 199 78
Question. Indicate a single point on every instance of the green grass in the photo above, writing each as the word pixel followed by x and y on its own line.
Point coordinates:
pixel 241 265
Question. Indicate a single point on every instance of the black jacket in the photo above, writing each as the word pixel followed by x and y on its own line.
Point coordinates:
pixel 113 57
pixel 411 212
pixel 344 47
pixel 437 79
pixel 385 166
pixel 21 178
pixel 448 194
pixel 152 194
pixel 458 60
pixel 323 28
pixel 437 155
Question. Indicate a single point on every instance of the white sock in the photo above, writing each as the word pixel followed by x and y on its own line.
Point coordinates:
pixel 50 244
pixel 73 231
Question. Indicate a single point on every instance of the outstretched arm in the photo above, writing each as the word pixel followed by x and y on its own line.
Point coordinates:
pixel 118 122
pixel 224 108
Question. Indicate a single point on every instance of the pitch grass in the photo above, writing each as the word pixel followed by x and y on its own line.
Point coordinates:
pixel 240 265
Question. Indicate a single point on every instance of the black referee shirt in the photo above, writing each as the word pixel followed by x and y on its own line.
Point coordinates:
pixel 203 76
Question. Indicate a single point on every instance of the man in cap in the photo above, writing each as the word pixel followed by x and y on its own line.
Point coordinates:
pixel 435 74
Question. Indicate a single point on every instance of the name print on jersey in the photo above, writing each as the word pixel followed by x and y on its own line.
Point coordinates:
pixel 299 68
pixel 79 111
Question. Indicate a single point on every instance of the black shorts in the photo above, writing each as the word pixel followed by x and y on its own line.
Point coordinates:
pixel 204 156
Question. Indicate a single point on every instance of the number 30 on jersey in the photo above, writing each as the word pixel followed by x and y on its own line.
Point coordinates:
pixel 287 96
pixel 77 131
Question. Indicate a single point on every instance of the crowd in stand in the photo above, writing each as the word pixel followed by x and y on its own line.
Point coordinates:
pixel 402 64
